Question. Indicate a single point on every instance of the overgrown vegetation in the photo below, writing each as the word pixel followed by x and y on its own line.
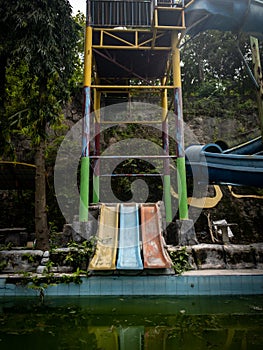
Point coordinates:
pixel 48 279
pixel 79 254
pixel 180 260
pixel 77 257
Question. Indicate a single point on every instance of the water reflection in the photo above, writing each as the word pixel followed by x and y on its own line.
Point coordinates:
pixel 132 323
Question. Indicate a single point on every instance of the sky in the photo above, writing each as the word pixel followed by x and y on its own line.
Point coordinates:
pixel 78 5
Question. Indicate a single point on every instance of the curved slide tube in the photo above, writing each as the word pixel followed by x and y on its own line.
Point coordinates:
pixel 240 165
pixel 225 15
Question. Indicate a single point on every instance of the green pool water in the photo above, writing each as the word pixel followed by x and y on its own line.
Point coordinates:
pixel 132 323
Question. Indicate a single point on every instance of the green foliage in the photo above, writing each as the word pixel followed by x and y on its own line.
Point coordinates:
pixel 219 105
pixel 7 246
pixel 180 260
pixel 79 254
pixel 3 264
pixel 48 267
pixel 42 52
pixel 40 31
pixel 47 279
pixel 211 61
pixel 75 82
pixel 24 276
pixel 75 277
pixel 53 229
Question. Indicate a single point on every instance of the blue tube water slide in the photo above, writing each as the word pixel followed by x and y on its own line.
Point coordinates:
pixel 225 15
pixel 240 165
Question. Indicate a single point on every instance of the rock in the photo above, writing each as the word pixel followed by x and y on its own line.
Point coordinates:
pixel 44 261
pixel 191 261
pixel 84 230
pixel 186 232
pixel 239 256
pixel 21 260
pixel 41 269
pixel 46 254
pixel 64 269
pixel 61 239
pixel 53 269
pixel 258 251
pixel 209 256
pixel 67 230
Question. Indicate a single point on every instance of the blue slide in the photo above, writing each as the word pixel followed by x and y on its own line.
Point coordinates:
pixel 129 256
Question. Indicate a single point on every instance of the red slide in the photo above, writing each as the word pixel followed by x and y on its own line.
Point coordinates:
pixel 155 255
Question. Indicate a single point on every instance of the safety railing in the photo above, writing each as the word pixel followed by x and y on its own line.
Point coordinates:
pixel 108 13
pixel 127 13
pixel 169 3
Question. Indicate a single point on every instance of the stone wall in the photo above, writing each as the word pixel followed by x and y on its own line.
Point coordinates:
pixel 60 260
pixel 67 260
pixel 232 256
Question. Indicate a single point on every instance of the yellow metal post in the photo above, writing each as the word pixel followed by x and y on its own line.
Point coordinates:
pixel 178 106
pixel 88 56
pixel 85 160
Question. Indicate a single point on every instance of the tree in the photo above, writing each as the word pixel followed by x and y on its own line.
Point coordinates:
pixel 44 37
pixel 212 58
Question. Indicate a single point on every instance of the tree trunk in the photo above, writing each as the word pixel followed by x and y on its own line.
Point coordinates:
pixel 41 226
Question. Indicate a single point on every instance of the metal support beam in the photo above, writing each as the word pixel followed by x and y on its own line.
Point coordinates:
pixel 133 87
pixel 258 77
pixel 178 108
pixel 132 157
pixel 96 174
pixel 85 160
pixel 166 161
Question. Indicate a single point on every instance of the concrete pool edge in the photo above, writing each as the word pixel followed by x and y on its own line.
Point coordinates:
pixel 200 282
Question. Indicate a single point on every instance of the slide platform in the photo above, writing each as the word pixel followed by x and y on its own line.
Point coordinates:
pixel 106 250
pixel 155 256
